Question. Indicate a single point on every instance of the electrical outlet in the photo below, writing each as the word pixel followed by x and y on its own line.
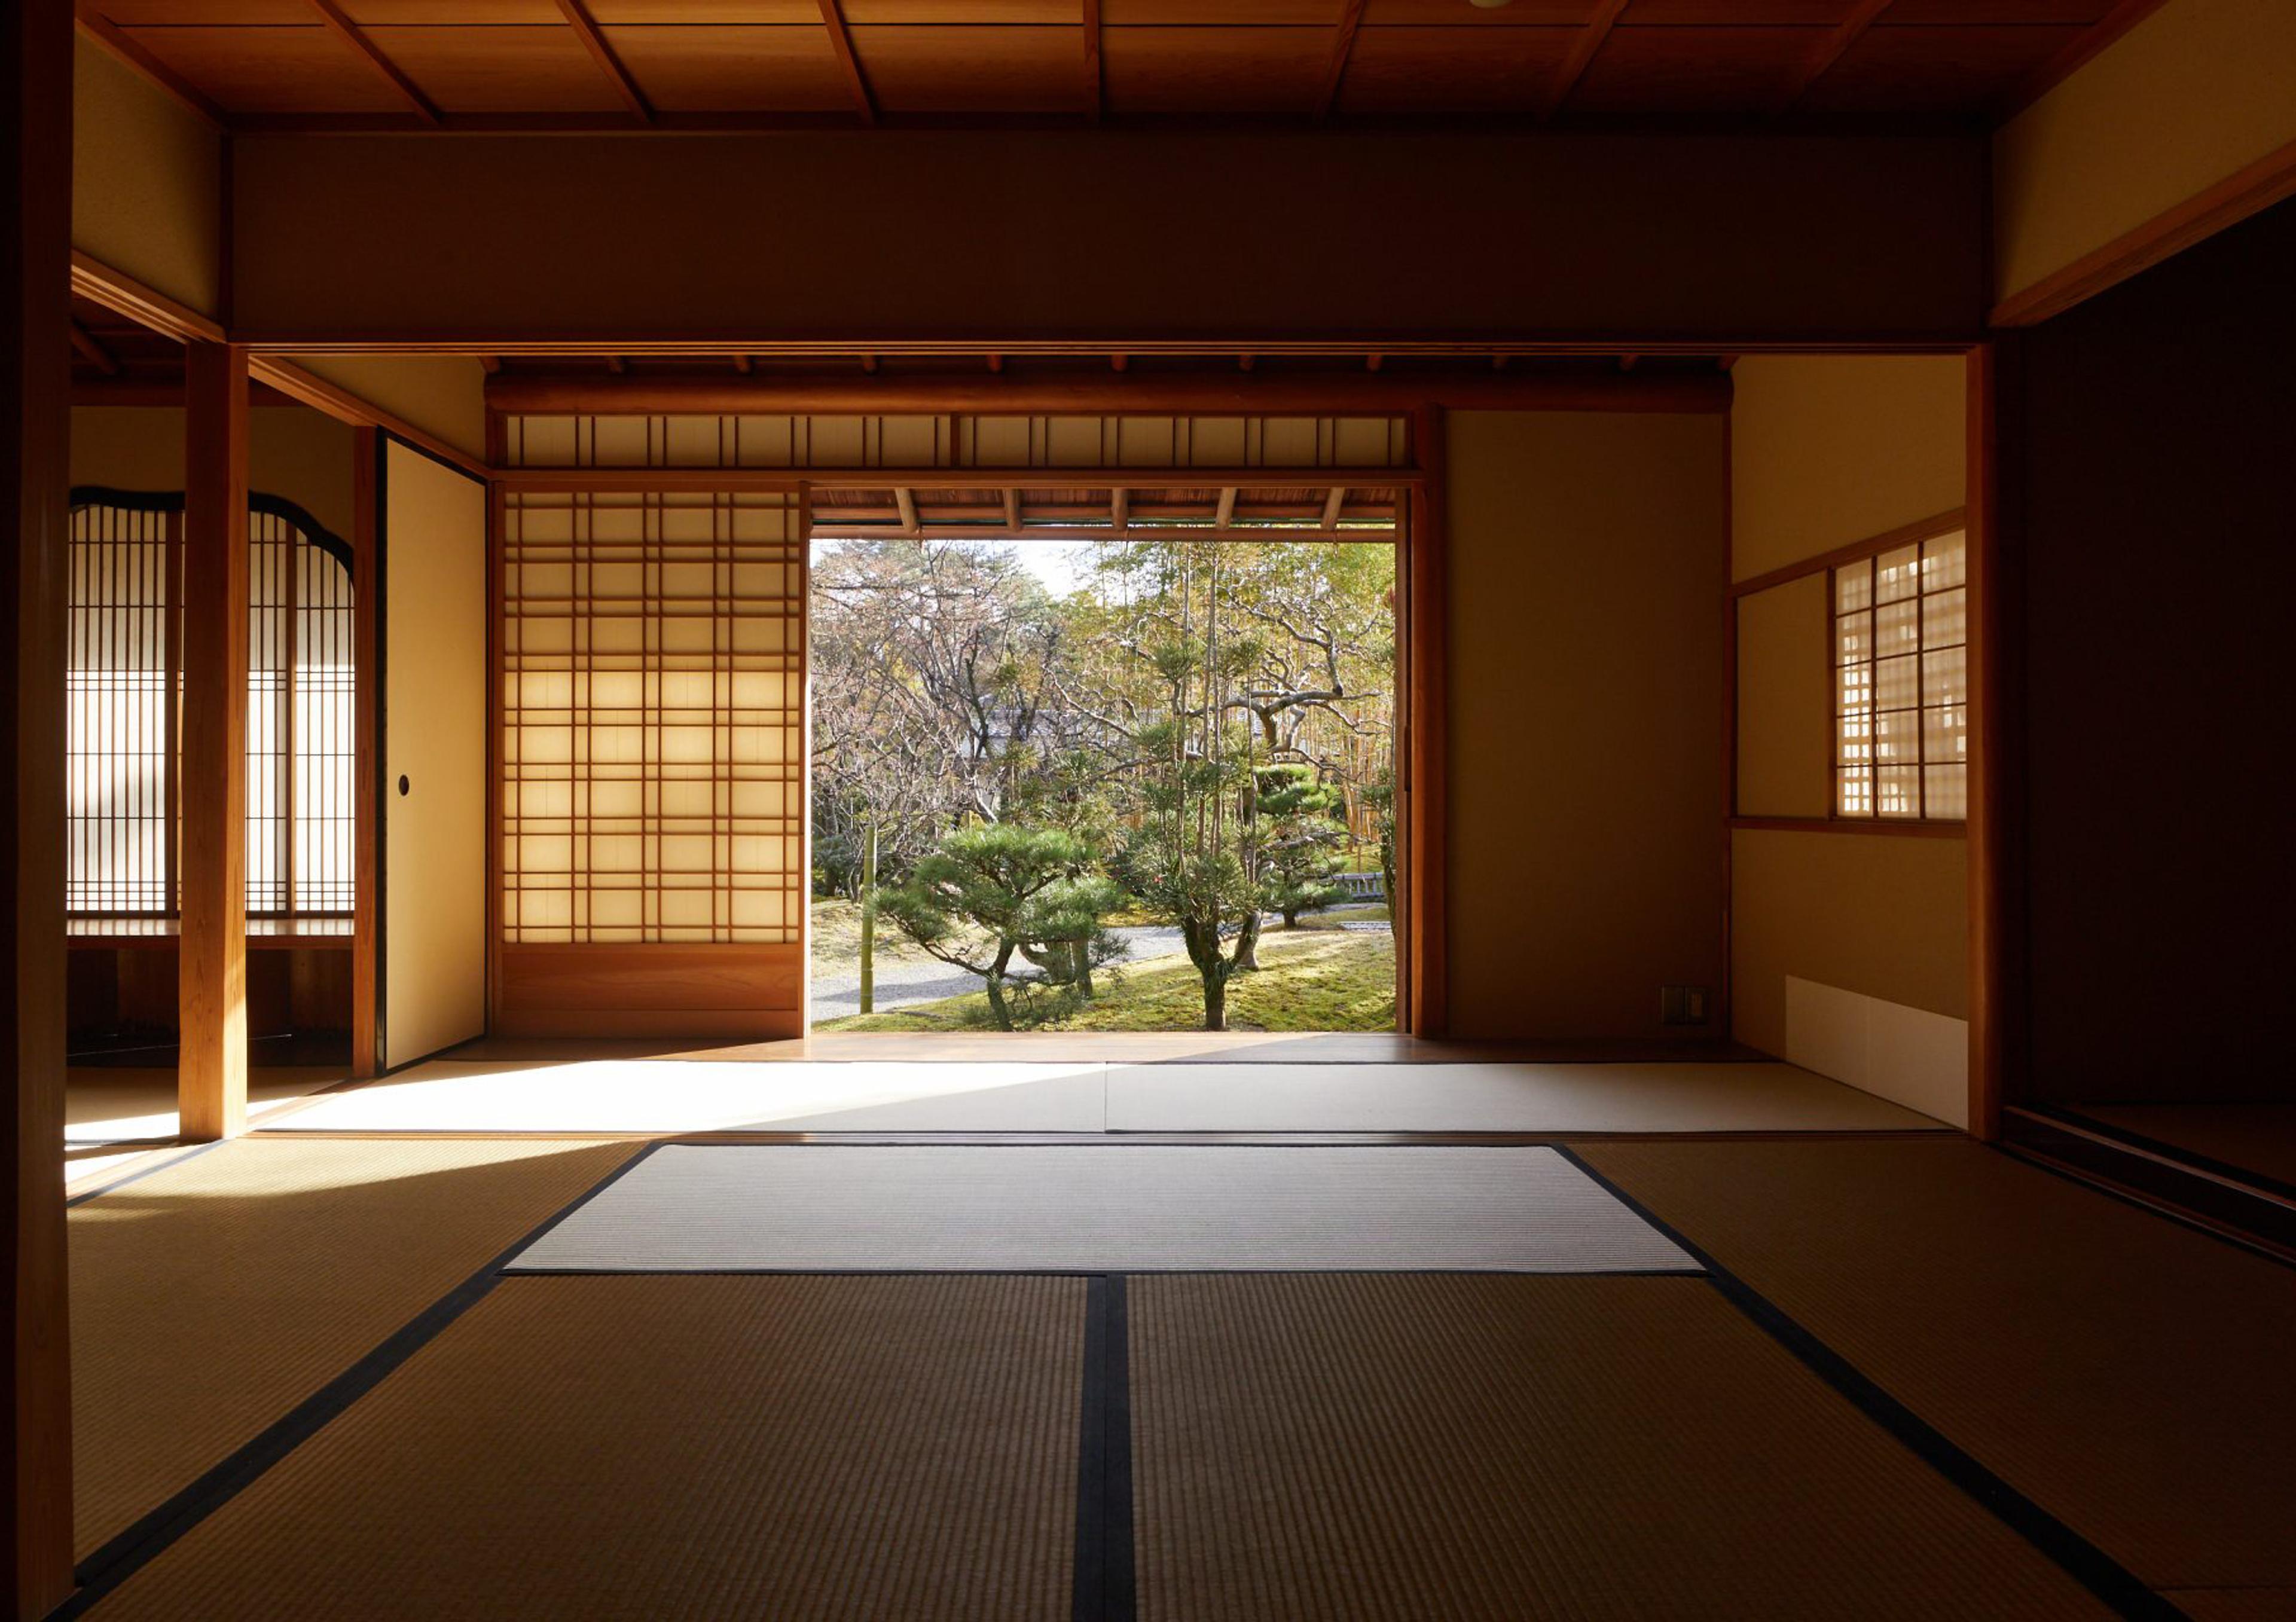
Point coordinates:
pixel 1682 1004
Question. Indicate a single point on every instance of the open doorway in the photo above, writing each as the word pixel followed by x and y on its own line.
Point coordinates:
pixel 1104 759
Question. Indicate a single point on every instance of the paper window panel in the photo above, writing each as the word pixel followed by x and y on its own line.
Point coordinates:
pixel 653 715
pixel 1901 683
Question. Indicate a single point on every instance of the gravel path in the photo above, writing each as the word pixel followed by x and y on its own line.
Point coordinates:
pixel 837 987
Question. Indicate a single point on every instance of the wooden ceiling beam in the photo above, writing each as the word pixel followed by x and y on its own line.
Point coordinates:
pixel 1086 393
pixel 1343 46
pixel 841 41
pixel 1837 43
pixel 586 29
pixel 100 29
pixel 353 36
pixel 1096 84
pixel 1583 51
pixel 94 352
pixel 829 482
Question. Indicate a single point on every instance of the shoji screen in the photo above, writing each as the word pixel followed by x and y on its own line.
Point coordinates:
pixel 650 763
pixel 434 619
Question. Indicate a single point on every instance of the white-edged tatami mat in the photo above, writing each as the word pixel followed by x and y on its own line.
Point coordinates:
pixel 1132 1208
pixel 672 1095
pixel 688 1095
pixel 1489 1097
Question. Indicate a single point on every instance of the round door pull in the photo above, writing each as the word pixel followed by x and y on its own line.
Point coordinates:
pixel 402 785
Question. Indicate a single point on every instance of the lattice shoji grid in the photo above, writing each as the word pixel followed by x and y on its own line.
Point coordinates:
pixel 124 685
pixel 120 725
pixel 1901 683
pixel 652 717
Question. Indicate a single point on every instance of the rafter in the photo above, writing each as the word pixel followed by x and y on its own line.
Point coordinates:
pixel 1334 499
pixel 1119 508
pixel 841 40
pixel 94 352
pixel 1845 34
pixel 1013 506
pixel 1096 89
pixel 1343 45
pixel 906 501
pixel 100 28
pixel 353 36
pixel 1226 514
pixel 1583 50
pixel 586 30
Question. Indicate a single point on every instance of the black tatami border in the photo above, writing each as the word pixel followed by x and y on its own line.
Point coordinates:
pixel 2082 1561
pixel 1104 1588
pixel 130 1550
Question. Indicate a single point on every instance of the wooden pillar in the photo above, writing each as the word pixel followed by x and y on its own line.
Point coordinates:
pixel 366 811
pixel 211 1073
pixel 35 76
pixel 1423 927
pixel 1996 879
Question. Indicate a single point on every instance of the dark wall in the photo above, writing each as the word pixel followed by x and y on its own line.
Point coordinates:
pixel 2160 603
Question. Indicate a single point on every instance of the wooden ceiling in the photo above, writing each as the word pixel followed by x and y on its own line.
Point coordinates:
pixel 443 64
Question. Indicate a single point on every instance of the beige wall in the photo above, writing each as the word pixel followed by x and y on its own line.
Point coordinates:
pixel 2195 93
pixel 1827 450
pixel 147 182
pixel 435 734
pixel 1587 564
pixel 444 395
pixel 292 450
pixel 1447 235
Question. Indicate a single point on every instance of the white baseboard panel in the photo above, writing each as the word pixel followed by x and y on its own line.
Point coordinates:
pixel 1907 1055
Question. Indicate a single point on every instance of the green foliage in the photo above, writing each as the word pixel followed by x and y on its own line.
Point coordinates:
pixel 1310 981
pixel 995 888
pixel 1302 840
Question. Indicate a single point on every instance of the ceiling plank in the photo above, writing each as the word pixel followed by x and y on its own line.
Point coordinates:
pixel 586 29
pixel 1343 46
pixel 1095 83
pixel 93 352
pixel 98 27
pixel 2076 56
pixel 351 35
pixel 841 40
pixel 1846 34
pixel 1583 50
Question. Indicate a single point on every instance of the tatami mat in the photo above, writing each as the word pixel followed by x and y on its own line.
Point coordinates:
pixel 666 1095
pixel 2128 1374
pixel 1493 1098
pixel 1415 1447
pixel 212 1296
pixel 1101 1208
pixel 646 1448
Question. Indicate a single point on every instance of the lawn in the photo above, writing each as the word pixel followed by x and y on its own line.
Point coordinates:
pixel 1320 979
pixel 837 935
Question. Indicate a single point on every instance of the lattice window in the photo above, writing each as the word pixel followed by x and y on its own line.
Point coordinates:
pixel 1901 683
pixel 652 717
pixel 124 684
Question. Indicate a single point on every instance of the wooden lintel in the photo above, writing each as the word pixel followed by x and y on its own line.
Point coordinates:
pixel 340 24
pixel 1377 535
pixel 1087 392
pixel 634 480
pixel 123 295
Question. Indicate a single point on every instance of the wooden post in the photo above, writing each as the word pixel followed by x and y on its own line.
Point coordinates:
pixel 1997 747
pixel 1422 929
pixel 365 707
pixel 211 1073
pixel 35 59
pixel 869 922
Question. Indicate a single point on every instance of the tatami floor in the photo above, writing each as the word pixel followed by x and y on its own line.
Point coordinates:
pixel 448 1370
